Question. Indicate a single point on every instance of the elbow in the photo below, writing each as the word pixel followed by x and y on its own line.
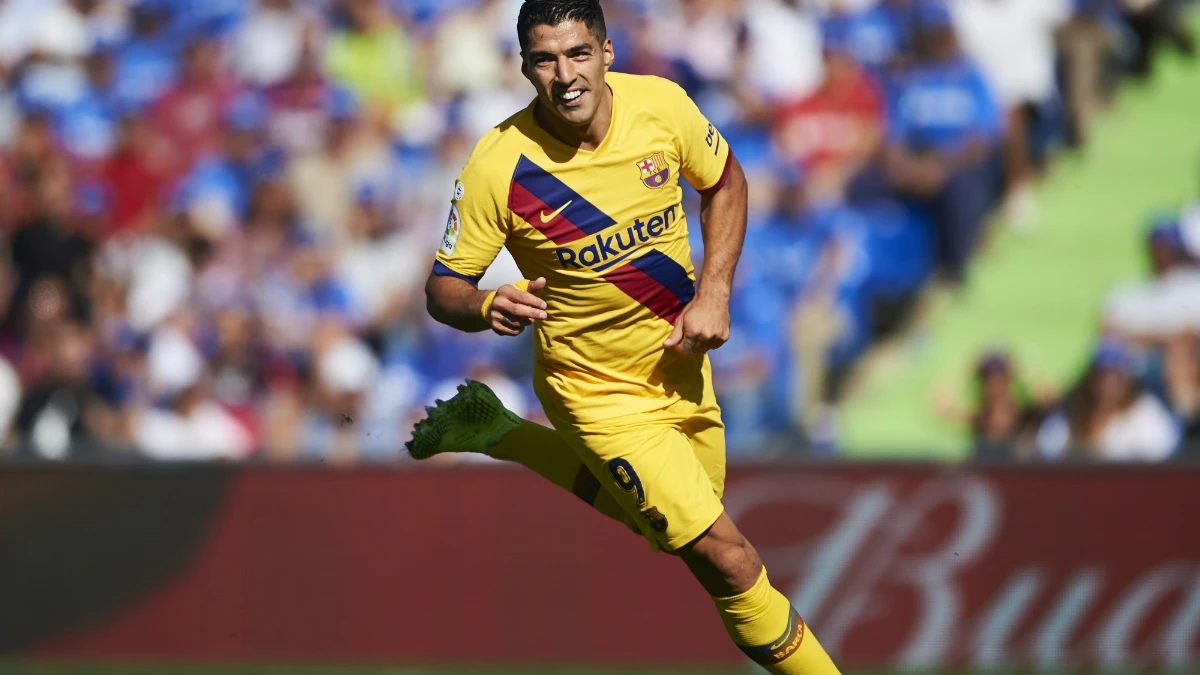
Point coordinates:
pixel 432 306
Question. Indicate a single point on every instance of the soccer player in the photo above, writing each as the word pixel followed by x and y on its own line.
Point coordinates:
pixel 583 188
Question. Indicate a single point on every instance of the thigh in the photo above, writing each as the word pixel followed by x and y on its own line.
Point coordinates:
pixel 652 470
pixel 706 434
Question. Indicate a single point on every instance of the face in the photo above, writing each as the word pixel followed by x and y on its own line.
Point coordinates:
pixel 1162 258
pixel 996 385
pixel 566 64
pixel 1111 387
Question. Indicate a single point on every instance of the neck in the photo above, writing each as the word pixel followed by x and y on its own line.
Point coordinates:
pixel 586 138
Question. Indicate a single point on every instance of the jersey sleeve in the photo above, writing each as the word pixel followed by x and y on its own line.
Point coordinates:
pixel 476 228
pixel 703 152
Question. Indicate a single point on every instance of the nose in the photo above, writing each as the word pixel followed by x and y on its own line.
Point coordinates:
pixel 564 71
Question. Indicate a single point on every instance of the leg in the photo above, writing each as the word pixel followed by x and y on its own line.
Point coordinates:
pixel 759 619
pixel 1082 44
pixel 960 209
pixel 669 473
pixel 543 451
pixel 474 420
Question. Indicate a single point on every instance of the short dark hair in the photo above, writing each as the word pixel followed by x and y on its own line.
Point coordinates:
pixel 536 13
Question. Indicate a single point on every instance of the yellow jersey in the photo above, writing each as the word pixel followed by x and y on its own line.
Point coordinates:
pixel 608 232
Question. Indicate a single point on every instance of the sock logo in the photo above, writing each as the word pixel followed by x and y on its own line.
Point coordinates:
pixel 782 648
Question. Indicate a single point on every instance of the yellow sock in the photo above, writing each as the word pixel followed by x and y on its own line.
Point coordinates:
pixel 543 451
pixel 767 629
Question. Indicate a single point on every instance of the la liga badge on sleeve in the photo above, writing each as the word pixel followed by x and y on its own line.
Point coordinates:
pixel 453 228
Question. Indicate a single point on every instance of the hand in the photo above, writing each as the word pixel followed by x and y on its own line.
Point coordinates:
pixel 513 309
pixel 702 325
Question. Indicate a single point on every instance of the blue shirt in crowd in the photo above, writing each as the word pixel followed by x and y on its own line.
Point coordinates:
pixel 938 107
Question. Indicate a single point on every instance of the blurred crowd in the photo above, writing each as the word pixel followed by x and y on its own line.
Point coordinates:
pixel 1138 399
pixel 217 216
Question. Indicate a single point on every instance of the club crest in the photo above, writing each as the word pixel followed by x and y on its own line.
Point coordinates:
pixel 655 171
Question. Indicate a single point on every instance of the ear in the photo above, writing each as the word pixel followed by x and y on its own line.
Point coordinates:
pixel 609 56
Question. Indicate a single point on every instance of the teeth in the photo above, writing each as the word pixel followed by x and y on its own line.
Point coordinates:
pixel 572 95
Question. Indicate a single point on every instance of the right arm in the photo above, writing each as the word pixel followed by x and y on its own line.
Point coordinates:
pixel 458 304
pixel 476 230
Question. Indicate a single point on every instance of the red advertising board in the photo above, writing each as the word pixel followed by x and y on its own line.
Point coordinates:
pixel 914 566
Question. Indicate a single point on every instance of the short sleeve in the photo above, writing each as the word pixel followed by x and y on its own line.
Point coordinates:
pixel 476 227
pixel 703 152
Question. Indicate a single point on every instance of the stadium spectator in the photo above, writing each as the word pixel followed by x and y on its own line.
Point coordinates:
pixel 1108 416
pixel 1181 384
pixel 146 64
pixel 877 34
pixel 943 135
pixel 836 130
pixel 781 51
pixel 253 174
pixel 324 180
pixel 1013 43
pixel 372 55
pixel 1156 23
pixel 382 264
pixel 1006 415
pixel 189 114
pixel 1165 305
pixel 183 421
pixel 344 372
pixel 271 40
pixel 62 414
pixel 137 176
pixel 10 401
pixel 1084 43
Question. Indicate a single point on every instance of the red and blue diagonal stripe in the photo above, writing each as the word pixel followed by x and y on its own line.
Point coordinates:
pixel 534 192
pixel 656 281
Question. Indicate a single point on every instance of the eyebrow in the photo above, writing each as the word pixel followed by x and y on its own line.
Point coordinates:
pixel 573 51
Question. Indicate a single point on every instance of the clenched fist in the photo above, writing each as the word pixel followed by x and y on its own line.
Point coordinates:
pixel 514 309
pixel 702 326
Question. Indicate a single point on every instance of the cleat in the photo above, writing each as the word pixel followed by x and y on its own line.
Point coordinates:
pixel 472 421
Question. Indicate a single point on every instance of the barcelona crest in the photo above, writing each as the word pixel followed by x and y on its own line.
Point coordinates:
pixel 655 172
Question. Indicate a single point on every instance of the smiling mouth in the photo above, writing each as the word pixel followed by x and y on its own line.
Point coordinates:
pixel 570 96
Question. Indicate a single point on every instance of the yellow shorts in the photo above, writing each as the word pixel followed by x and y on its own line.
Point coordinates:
pixel 665 468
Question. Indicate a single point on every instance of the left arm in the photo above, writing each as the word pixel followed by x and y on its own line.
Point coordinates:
pixel 704 323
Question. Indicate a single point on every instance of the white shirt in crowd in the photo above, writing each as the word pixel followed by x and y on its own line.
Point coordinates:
pixel 1163 306
pixel 1145 432
pixel 784 60
pixel 10 397
pixel 269 44
pixel 1013 43
pixel 206 432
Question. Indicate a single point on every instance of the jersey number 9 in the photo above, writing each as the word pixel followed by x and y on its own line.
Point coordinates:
pixel 627 479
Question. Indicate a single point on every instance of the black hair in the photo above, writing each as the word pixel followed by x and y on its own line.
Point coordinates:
pixel 536 13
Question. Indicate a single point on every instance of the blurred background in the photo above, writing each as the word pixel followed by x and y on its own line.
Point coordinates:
pixel 974 234
pixel 969 228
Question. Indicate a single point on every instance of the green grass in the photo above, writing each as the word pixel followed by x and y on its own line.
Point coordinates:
pixel 1039 292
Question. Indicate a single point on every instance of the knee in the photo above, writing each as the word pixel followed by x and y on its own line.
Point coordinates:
pixel 734 566
pixel 739 563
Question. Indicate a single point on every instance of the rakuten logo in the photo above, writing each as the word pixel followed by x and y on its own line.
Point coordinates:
pixel 604 252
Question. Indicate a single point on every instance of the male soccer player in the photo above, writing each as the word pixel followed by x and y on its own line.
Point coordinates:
pixel 583 188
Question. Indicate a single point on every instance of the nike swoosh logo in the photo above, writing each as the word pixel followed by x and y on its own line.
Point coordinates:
pixel 552 216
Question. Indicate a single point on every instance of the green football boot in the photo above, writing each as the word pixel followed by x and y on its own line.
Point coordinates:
pixel 473 421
